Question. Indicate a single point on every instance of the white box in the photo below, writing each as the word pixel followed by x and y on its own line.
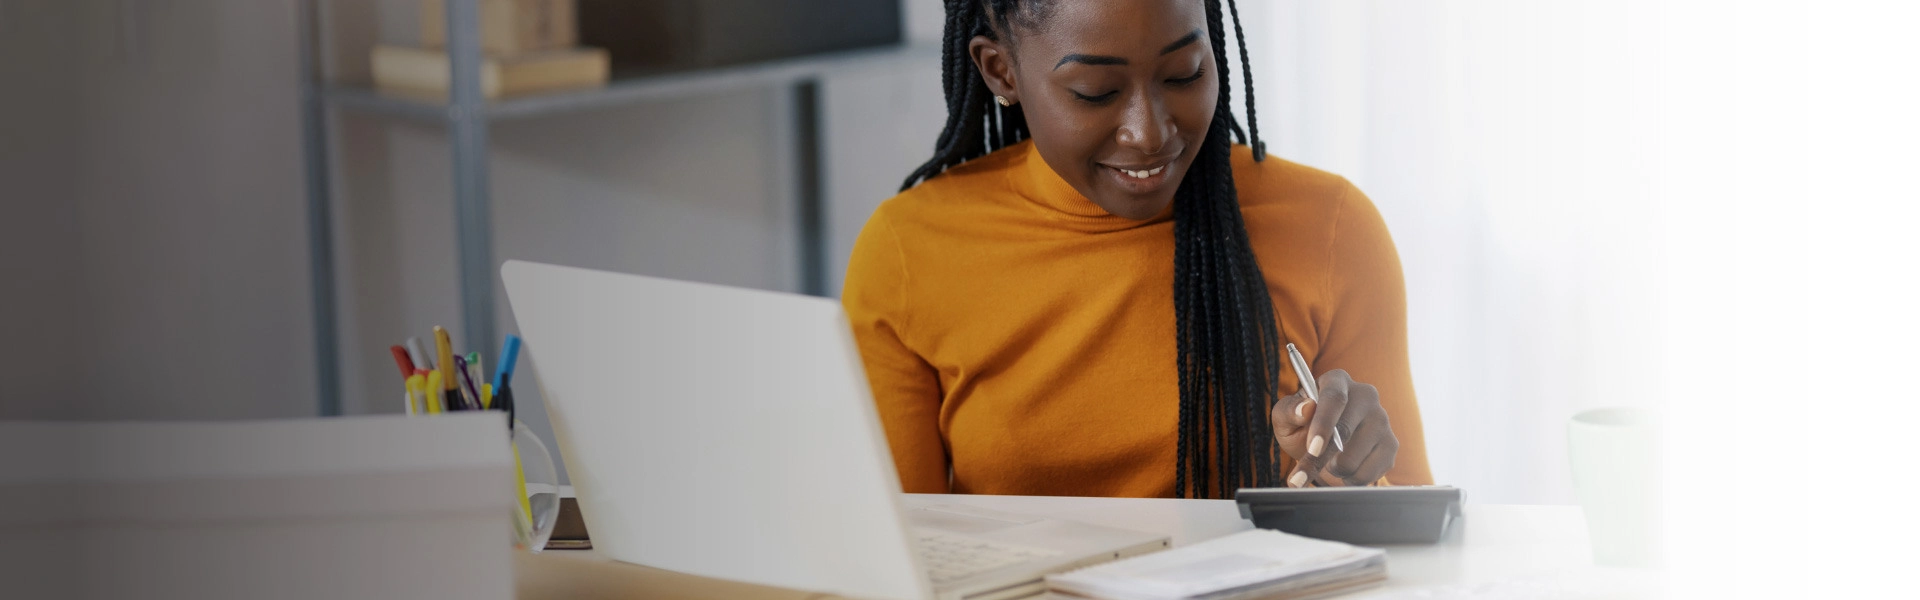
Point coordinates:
pixel 355 507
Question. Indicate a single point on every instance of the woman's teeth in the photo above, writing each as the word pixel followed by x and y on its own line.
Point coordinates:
pixel 1143 174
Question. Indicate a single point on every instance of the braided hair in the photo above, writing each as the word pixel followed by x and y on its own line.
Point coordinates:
pixel 1228 339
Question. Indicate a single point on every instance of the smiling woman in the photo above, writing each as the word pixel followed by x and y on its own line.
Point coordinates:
pixel 1085 291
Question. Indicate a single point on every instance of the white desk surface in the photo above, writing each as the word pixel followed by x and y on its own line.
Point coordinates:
pixel 1496 552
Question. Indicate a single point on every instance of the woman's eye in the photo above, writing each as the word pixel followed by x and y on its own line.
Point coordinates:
pixel 1188 79
pixel 1094 99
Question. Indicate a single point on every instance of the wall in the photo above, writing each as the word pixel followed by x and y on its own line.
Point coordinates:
pixel 879 126
pixel 194 265
pixel 1507 145
pixel 167 209
pixel 39 231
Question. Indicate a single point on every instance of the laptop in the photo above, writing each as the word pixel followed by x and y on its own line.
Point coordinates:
pixel 730 433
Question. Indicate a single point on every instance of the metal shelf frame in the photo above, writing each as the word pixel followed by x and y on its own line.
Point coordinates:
pixel 466 115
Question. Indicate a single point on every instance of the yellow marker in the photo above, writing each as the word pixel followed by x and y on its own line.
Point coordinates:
pixel 416 401
pixel 444 343
pixel 433 399
pixel 486 396
pixel 526 508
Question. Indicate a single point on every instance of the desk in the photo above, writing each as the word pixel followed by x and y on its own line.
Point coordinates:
pixel 1496 551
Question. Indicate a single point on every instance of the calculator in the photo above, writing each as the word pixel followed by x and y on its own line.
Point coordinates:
pixel 1419 514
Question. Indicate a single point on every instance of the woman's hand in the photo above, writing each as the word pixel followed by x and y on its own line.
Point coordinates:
pixel 1304 429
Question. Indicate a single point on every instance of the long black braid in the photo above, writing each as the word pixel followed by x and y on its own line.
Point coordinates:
pixel 1228 341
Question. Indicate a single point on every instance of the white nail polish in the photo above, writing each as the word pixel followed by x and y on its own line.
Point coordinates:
pixel 1298 479
pixel 1316 445
pixel 1300 410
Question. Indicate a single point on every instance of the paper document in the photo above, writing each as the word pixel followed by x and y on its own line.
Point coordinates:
pixel 1259 563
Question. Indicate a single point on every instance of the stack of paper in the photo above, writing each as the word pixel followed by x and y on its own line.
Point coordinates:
pixel 1255 564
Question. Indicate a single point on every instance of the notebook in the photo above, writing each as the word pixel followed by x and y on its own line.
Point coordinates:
pixel 1255 564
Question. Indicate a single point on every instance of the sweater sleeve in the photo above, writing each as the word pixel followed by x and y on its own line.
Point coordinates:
pixel 1366 329
pixel 906 389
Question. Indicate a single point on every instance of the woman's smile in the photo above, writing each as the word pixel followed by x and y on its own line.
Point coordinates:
pixel 1141 178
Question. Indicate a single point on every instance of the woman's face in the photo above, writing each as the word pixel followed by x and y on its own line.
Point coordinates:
pixel 1118 94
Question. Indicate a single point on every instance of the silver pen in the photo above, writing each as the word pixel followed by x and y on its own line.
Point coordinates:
pixel 1312 388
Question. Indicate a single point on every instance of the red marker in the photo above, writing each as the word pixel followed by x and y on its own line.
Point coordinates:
pixel 400 358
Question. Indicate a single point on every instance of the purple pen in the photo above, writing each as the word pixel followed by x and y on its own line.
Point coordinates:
pixel 469 395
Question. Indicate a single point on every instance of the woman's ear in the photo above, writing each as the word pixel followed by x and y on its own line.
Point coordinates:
pixel 995 63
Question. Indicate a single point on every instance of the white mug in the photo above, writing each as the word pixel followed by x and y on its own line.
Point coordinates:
pixel 1616 473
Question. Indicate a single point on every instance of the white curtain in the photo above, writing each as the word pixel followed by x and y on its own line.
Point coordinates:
pixel 1505 143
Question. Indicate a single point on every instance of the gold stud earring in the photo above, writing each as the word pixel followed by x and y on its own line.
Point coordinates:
pixel 1003 100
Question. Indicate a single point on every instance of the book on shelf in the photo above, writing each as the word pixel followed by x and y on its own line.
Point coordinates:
pixel 665 36
pixel 509 27
pixel 423 73
pixel 1259 564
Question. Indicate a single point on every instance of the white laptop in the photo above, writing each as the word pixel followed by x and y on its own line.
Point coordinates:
pixel 730 433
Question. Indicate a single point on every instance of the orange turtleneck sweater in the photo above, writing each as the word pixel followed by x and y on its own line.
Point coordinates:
pixel 1020 340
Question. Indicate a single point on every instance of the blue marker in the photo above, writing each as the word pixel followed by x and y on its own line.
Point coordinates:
pixel 503 373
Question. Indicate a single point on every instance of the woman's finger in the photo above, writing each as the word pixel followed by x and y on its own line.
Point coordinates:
pixel 1328 411
pixel 1370 434
pixel 1376 465
pixel 1291 413
pixel 1360 469
pixel 1363 402
pixel 1325 478
pixel 1302 476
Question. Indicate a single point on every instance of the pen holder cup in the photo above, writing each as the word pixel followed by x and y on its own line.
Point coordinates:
pixel 539 490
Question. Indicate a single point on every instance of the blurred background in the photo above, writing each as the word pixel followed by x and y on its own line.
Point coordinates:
pixel 1596 203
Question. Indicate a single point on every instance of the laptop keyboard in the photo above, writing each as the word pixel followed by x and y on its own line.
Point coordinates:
pixel 950 558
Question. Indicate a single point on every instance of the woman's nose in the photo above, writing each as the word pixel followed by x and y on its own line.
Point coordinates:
pixel 1146 126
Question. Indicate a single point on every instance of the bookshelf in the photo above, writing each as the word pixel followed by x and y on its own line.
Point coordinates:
pixel 466 116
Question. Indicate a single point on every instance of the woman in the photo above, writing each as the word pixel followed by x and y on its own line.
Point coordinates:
pixel 1088 289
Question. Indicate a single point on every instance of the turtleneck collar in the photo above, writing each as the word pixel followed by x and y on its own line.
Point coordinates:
pixel 1043 187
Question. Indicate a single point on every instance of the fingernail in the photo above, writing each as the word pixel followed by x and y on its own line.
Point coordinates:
pixel 1298 479
pixel 1316 445
pixel 1300 410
